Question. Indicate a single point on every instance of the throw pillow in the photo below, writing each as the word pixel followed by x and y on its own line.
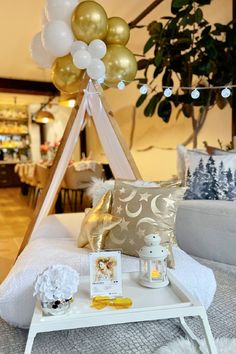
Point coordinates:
pixel 182 151
pixel 143 210
pixel 97 223
pixel 211 177
pixel 99 187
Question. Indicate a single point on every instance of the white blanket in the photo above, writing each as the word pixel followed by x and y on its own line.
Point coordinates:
pixel 54 242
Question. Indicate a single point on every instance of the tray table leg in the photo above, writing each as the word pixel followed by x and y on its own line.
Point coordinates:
pixel 30 341
pixel 190 333
pixel 207 331
pixel 208 334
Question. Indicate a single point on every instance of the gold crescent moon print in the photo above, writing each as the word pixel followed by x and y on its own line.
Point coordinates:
pixel 133 214
pixel 143 210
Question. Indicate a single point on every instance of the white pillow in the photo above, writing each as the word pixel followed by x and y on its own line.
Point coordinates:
pixel 181 160
pixel 210 176
pixel 47 248
pixel 99 187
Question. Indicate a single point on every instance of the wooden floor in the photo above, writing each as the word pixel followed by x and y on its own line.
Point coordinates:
pixel 15 214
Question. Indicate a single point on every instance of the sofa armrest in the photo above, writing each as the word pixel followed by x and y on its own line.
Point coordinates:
pixel 207 229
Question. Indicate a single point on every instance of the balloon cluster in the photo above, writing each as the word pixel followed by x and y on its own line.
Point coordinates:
pixel 78 40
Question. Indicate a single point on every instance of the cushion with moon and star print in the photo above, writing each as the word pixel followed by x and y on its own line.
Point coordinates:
pixel 144 210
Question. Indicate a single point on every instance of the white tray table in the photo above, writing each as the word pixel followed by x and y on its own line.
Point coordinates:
pixel 172 301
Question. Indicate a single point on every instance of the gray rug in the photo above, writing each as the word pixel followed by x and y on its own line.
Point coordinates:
pixel 138 338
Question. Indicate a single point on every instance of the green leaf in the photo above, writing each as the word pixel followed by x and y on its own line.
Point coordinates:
pixel 149 44
pixel 158 58
pixel 164 110
pixel 187 110
pixel 140 100
pixel 206 31
pixel 203 2
pixel 179 3
pixel 220 28
pixel 157 71
pixel 142 64
pixel 220 101
pixel 198 15
pixel 167 17
pixel 151 107
pixel 166 79
pixel 154 28
pixel 184 21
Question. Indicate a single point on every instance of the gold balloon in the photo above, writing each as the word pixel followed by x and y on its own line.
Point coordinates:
pixel 97 223
pixel 120 65
pixel 118 31
pixel 89 21
pixel 66 76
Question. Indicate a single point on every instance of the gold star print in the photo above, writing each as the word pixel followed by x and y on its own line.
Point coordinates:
pixel 144 196
pixel 119 209
pixel 124 225
pixel 169 201
pixel 141 233
pixel 96 224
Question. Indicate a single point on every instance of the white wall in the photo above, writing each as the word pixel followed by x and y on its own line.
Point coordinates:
pixel 159 140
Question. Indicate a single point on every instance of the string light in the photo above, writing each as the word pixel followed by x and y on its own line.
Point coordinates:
pixel 225 92
pixel 121 85
pixel 195 94
pixel 168 92
pixel 143 89
pixel 101 80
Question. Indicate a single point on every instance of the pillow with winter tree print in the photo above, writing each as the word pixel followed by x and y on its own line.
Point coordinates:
pixel 210 177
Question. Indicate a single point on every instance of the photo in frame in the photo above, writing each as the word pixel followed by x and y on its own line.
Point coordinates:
pixel 105 274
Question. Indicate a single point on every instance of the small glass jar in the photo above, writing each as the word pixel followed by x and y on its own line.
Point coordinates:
pixel 153 263
pixel 56 308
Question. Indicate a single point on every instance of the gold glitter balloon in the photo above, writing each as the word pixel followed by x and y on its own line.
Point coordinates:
pixel 118 31
pixel 89 21
pixel 66 77
pixel 96 224
pixel 120 65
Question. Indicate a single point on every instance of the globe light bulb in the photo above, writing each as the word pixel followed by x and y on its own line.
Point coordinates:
pixel 225 92
pixel 195 94
pixel 101 80
pixel 121 85
pixel 168 92
pixel 143 89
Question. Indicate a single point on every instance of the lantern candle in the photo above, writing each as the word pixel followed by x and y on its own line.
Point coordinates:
pixel 153 263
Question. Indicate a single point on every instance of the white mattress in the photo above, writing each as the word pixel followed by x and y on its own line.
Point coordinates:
pixel 54 242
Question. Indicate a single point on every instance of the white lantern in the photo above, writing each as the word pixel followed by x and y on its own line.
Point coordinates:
pixel 153 263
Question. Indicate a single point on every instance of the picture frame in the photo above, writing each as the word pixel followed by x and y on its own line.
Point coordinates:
pixel 105 274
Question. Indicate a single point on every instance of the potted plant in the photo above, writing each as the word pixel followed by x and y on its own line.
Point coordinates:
pixel 55 288
pixel 195 53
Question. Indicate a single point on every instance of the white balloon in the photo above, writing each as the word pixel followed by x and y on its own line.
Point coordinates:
pixel 96 69
pixel 60 9
pixel 97 48
pixel 39 54
pixel 57 38
pixel 76 45
pixel 82 59
pixel 44 18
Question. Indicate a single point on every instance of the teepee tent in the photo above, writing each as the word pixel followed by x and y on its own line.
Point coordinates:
pixel 90 100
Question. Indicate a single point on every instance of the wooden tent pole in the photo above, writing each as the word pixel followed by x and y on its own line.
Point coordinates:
pixel 50 192
pixel 122 161
pixel 133 172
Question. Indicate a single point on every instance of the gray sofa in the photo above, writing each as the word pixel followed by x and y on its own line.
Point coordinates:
pixel 207 229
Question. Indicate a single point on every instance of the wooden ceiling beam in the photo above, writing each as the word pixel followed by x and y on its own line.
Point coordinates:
pixel 145 12
pixel 28 87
